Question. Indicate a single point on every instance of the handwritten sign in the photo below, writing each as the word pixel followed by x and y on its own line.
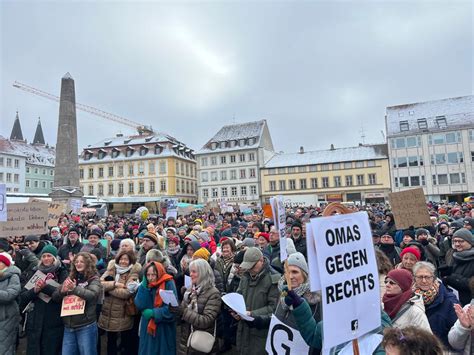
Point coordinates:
pixel 25 219
pixel 55 210
pixel 75 205
pixel 72 305
pixel 409 208
pixel 38 275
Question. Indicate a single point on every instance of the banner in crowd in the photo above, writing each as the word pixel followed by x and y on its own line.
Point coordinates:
pixel 38 275
pixel 279 218
pixel 314 280
pixel 75 205
pixel 348 274
pixel 25 219
pixel 72 305
pixel 3 203
pixel 172 208
pixel 55 210
pixel 409 208
pixel 283 339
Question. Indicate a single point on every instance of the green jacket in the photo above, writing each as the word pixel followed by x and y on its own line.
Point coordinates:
pixel 312 332
pixel 261 297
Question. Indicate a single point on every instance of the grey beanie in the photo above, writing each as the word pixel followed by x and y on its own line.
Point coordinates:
pixel 465 234
pixel 204 236
pixel 248 242
pixel 421 231
pixel 297 259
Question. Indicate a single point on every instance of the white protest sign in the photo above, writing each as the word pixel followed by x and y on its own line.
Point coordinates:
pixel 75 205
pixel 37 276
pixel 367 345
pixel 3 203
pixel 25 219
pixel 236 302
pixel 172 208
pixel 169 297
pixel 349 276
pixel 284 340
pixel 187 281
pixel 314 280
pixel 279 218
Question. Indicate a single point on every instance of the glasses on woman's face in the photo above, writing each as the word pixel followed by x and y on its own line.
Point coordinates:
pixel 390 282
pixel 423 278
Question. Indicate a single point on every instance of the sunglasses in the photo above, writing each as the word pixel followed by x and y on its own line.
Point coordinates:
pixel 390 282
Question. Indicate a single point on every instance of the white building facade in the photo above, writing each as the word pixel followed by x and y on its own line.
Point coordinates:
pixel 229 163
pixel 12 168
pixel 431 145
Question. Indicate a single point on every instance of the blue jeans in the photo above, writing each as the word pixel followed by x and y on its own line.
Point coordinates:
pixel 80 341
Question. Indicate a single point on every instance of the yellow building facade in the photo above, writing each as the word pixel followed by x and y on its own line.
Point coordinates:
pixel 138 170
pixel 356 174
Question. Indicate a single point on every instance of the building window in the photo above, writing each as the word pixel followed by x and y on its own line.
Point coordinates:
pixel 223 159
pixel 292 184
pixel 101 172
pixel 422 124
pixel 203 161
pixel 472 156
pixel 81 174
pixel 372 179
pixel 223 175
pixel 442 179
pixel 177 168
pixel 413 161
pixel 370 163
pixel 454 178
pixel 224 191
pixel 423 182
pixel 115 153
pixel 120 189
pixel 50 184
pixel 253 189
pixel 272 171
pixel 272 185
pixel 444 138
pixel 178 189
pixel 463 178
pixel 324 167
pixel 232 158
pixel 242 173
pixel 233 191
pixel 233 174
pixel 35 183
pixel 282 184
pixel 349 180
pixel 241 158
pixel 91 173
pixel 441 122
pixel 325 182
pixel 16 178
pixel 151 168
pixel 337 181
pixel 129 152
pixel 404 126
pixel 252 172
pixel 303 184
pixel 151 186
pixel 130 170
pixel 27 181
pixel 213 175
pixel 9 162
pixel 214 192
pixel 471 139
pixel 91 188
pixel 111 189
pixel 43 184
pixel 314 183
pixel 360 179
pixel 163 186
pixel 36 170
pixel 162 167
pixel 9 177
pixel 120 170
pixel 51 172
pixel 143 151
pixel 455 158
pixel 313 168
pixel 27 169
pixel 130 187
pixel 243 190
pixel 336 166
pixel 213 160
pixel 17 163
pixel 204 177
pixel 359 164
pixel 205 193
pixel 141 187
pixel 141 168
pixel 1 162
pixel 251 156
pixel 404 181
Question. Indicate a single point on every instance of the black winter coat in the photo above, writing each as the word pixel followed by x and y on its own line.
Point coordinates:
pixel 462 272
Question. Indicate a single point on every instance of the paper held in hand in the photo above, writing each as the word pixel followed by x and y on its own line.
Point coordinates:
pixel 32 282
pixel 169 298
pixel 187 281
pixel 237 303
pixel 72 305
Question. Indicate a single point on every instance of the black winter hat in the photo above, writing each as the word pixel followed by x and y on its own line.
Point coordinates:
pixel 410 233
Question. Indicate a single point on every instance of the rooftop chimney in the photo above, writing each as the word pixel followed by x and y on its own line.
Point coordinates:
pixel 332 147
pixel 301 150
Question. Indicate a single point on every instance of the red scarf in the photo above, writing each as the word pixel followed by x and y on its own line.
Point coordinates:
pixel 393 303
pixel 159 284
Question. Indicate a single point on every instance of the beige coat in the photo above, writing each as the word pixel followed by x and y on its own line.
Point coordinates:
pixel 113 317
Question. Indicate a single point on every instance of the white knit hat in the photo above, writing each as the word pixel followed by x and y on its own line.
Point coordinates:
pixel 297 259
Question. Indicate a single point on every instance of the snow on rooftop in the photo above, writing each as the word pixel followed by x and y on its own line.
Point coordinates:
pixel 337 155
pixel 132 140
pixel 35 154
pixel 458 111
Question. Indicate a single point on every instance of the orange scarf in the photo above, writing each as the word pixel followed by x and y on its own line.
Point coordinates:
pixel 159 284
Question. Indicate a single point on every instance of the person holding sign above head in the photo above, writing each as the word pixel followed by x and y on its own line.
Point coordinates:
pixel 157 323
pixel 401 304
pixel 258 286
pixel 79 294
pixel 44 327
pixel 297 275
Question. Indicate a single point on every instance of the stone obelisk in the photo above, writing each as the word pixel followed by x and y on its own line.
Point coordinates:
pixel 66 168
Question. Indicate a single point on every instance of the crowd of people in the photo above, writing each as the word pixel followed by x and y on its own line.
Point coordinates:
pixel 119 269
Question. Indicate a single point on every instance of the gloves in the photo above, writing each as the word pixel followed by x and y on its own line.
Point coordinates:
pixel 424 241
pixel 292 299
pixel 132 286
pixel 147 314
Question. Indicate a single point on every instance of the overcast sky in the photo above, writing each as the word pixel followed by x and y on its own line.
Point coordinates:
pixel 317 71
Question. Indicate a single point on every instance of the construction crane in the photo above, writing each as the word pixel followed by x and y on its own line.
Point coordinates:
pixel 142 129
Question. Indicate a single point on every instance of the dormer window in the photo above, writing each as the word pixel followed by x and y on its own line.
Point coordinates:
pixel 441 122
pixel 107 142
pixel 233 143
pixel 422 124
pixel 241 142
pixel 87 156
pixel 101 154
pixel 143 151
pixel 222 144
pixel 158 149
pixel 115 153
pixel 213 145
pixel 129 152
pixel 126 141
pixel 404 127
pixel 252 141
pixel 148 139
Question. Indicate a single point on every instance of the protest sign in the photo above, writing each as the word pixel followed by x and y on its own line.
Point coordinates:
pixel 75 205
pixel 25 219
pixel 184 211
pixel 279 218
pixel 348 274
pixel 283 339
pixel 237 303
pixel 169 297
pixel 314 281
pixel 72 305
pixel 3 203
pixel 172 208
pixel 55 210
pixel 409 208
pixel 187 281
pixel 267 211
pixel 38 275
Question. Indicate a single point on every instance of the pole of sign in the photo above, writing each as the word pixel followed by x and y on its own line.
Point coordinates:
pixel 333 208
pixel 287 275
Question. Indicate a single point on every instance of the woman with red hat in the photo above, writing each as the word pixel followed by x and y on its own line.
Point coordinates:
pixel 410 256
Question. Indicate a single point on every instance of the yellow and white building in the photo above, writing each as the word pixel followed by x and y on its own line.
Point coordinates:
pixel 356 174
pixel 138 170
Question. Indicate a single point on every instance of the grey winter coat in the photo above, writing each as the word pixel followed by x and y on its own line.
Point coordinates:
pixel 460 337
pixel 261 297
pixel 9 313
